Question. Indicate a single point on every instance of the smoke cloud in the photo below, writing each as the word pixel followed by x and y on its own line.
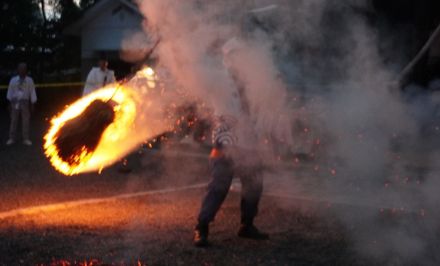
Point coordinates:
pixel 318 92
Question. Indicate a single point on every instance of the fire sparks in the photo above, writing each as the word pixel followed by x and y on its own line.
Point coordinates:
pixel 123 97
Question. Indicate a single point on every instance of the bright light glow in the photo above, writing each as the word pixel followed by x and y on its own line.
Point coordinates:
pixel 109 148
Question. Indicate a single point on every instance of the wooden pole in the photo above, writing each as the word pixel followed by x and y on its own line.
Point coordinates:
pixel 404 74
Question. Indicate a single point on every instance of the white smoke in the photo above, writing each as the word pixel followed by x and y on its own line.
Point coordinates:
pixel 316 50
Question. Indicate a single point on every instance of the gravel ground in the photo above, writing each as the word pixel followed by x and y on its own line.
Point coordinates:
pixel 157 230
pixel 153 230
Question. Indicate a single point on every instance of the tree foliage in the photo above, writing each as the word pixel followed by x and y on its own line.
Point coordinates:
pixel 32 31
pixel 20 22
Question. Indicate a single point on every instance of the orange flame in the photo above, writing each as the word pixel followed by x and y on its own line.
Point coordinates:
pixel 107 152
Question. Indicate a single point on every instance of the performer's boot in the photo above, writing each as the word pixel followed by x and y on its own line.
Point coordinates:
pixel 201 235
pixel 250 231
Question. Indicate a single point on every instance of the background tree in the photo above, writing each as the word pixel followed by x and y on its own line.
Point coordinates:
pixel 20 25
pixel 32 31
pixel 66 50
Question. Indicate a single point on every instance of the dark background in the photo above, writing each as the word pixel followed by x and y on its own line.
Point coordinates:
pixel 30 35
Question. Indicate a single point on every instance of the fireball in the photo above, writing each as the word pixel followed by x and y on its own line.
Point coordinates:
pixel 116 128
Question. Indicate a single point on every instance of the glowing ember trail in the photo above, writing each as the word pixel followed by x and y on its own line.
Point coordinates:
pixel 125 104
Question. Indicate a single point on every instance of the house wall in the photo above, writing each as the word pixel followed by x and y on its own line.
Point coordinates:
pixel 106 32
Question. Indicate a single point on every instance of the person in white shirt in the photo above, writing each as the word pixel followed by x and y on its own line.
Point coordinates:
pixel 21 96
pixel 99 77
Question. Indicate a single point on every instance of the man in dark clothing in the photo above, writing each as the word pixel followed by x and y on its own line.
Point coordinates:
pixel 222 170
pixel 228 160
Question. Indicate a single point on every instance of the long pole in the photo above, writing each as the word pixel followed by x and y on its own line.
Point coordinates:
pixel 404 74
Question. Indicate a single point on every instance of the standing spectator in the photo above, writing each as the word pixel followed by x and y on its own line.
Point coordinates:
pixel 21 96
pixel 99 77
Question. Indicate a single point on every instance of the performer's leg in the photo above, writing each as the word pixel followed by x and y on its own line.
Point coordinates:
pixel 252 188
pixel 221 174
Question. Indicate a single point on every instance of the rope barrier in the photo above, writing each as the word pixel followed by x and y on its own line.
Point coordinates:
pixel 50 85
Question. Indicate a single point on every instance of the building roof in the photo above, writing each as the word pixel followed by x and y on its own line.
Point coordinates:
pixel 95 10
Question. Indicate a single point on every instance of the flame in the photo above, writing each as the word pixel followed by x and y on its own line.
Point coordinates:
pixel 125 96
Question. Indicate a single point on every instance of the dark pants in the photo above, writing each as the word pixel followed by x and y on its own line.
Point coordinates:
pixel 222 171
